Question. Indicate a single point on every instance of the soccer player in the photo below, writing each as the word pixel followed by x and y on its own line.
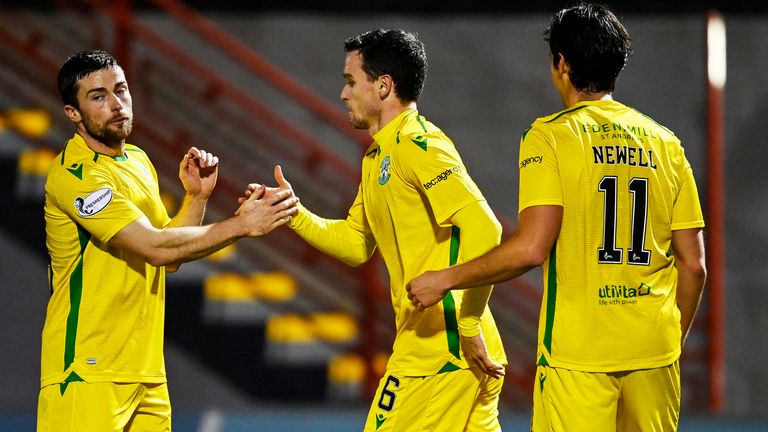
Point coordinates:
pixel 110 243
pixel 609 207
pixel 418 205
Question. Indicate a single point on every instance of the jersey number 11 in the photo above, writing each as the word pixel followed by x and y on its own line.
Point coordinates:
pixel 608 253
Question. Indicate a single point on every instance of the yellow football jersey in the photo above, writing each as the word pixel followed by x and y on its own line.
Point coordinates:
pixel 106 312
pixel 413 181
pixel 610 281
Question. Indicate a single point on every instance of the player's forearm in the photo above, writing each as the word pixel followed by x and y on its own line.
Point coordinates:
pixel 162 247
pixel 191 212
pixel 526 248
pixel 690 287
pixel 480 232
pixel 176 245
pixel 334 237
pixel 500 264
pixel 688 248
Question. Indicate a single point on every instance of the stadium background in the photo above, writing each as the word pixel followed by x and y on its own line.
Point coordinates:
pixel 257 362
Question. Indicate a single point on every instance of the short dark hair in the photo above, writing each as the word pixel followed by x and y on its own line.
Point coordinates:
pixel 396 53
pixel 594 43
pixel 77 67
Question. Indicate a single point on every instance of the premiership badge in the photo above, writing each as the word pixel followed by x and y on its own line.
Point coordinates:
pixel 93 203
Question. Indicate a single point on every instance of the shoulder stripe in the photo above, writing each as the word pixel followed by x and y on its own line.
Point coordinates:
pixel 565 112
pixel 652 120
pixel 525 132
pixel 421 122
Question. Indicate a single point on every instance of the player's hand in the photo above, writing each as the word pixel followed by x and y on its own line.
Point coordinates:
pixel 198 172
pixel 282 184
pixel 477 357
pixel 260 214
pixel 426 290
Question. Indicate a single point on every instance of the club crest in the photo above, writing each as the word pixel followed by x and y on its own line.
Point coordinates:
pixel 384 175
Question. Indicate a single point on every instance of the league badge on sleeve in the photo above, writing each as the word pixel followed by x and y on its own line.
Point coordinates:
pixel 93 203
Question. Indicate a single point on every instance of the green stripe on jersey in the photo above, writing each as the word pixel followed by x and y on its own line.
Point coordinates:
pixel 448 367
pixel 451 325
pixel 566 112
pixel 551 299
pixel 421 122
pixel 455 241
pixel 449 305
pixel 75 295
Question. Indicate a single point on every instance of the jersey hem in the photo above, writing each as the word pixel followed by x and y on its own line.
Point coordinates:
pixel 687 225
pixel 93 378
pixel 524 206
pixel 653 363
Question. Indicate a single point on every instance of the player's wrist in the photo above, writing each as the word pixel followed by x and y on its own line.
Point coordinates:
pixel 298 217
pixel 193 197
pixel 469 327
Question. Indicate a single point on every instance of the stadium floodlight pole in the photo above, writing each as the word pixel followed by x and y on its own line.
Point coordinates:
pixel 716 68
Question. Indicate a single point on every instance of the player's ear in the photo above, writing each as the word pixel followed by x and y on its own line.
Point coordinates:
pixel 561 64
pixel 385 86
pixel 72 113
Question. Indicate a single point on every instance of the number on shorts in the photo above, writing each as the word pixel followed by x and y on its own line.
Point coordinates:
pixel 387 399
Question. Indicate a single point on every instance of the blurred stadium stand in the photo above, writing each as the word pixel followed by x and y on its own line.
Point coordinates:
pixel 270 320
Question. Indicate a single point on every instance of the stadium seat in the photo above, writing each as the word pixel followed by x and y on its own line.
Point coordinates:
pixel 227 287
pixel 276 286
pixel 223 254
pixel 290 328
pixel 346 374
pixel 32 170
pixel 335 327
pixel 30 122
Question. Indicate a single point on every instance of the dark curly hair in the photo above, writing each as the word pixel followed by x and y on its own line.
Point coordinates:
pixel 78 67
pixel 396 53
pixel 593 42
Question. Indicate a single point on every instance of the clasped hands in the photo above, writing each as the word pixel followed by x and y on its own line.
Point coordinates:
pixel 265 208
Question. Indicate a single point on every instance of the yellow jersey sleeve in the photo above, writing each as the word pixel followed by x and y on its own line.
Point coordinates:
pixel 539 172
pixel 430 161
pixel 95 203
pixel 348 240
pixel 686 212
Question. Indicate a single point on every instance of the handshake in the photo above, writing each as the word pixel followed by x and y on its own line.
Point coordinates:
pixel 263 208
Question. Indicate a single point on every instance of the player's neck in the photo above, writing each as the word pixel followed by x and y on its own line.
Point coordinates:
pixel 111 150
pixel 390 111
pixel 576 96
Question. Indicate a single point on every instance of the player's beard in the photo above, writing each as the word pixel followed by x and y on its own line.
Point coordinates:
pixel 107 133
pixel 362 122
